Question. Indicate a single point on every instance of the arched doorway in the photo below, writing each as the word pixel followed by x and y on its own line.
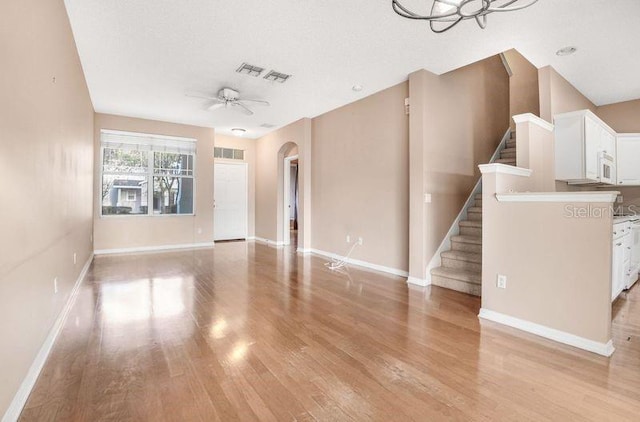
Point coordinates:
pixel 288 221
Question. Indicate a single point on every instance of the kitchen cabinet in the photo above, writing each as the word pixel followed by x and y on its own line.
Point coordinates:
pixel 617 269
pixel 585 149
pixel 621 258
pixel 628 159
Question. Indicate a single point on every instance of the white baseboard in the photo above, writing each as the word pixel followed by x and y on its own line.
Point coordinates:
pixel 268 241
pixel 153 248
pixel 21 396
pixel 303 251
pixel 418 281
pixel 604 349
pixel 359 263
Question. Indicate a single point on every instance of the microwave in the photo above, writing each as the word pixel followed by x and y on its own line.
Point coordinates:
pixel 606 169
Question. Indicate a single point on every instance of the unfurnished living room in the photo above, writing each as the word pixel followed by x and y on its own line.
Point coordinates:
pixel 279 210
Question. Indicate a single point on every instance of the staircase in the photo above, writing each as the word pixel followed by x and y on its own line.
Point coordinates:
pixel 461 268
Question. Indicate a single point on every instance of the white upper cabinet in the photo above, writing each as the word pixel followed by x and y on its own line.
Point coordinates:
pixel 628 159
pixel 585 149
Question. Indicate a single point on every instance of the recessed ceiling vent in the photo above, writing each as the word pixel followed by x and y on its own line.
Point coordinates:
pixel 267 125
pixel 249 69
pixel 277 76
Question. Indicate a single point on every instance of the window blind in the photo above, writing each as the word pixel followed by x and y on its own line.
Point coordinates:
pixel 145 142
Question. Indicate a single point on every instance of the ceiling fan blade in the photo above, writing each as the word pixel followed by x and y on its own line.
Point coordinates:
pixel 256 102
pixel 243 108
pixel 215 106
pixel 203 96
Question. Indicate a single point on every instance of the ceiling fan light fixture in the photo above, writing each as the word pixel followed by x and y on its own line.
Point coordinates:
pixel 238 131
pixel 445 14
pixel 566 51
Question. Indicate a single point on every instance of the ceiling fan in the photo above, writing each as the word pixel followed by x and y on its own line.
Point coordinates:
pixel 228 97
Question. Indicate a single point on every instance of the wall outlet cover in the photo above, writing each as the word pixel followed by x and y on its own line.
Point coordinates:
pixel 502 281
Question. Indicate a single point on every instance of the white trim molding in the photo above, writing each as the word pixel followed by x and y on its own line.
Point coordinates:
pixel 29 381
pixel 532 118
pixel 268 241
pixel 154 248
pixel 359 263
pixel 504 169
pixel 418 281
pixel 581 197
pixel 604 349
pixel 303 251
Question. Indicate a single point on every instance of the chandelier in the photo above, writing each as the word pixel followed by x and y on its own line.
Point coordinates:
pixel 445 14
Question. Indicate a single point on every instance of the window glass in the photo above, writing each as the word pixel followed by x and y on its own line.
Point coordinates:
pixel 124 194
pixel 136 180
pixel 124 161
pixel 172 195
pixel 173 164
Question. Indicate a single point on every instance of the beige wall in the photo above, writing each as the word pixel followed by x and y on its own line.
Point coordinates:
pixel 360 179
pixel 523 85
pixel 622 117
pixel 46 144
pixel 535 150
pixel 558 268
pixel 116 232
pixel 461 117
pixel 249 147
pixel 557 95
pixel 270 152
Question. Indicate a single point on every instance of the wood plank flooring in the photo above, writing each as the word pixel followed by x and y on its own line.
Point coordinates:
pixel 248 332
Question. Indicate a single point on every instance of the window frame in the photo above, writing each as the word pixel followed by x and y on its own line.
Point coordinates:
pixel 149 174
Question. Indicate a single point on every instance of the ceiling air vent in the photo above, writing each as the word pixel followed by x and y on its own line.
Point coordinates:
pixel 249 69
pixel 276 76
pixel 267 125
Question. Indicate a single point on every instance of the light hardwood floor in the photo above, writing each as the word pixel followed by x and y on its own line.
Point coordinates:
pixel 248 332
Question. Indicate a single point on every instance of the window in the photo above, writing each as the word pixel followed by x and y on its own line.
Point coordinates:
pixel 147 174
pixel 228 153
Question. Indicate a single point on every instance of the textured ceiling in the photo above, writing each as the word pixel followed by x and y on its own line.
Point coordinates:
pixel 141 57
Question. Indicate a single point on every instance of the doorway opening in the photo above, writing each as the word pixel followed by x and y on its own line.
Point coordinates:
pixel 290 205
pixel 290 198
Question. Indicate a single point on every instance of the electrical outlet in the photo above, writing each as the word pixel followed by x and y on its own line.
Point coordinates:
pixel 502 281
pixel 620 199
pixel 199 230
pixel 55 285
pixel 427 198
pixel 75 258
pixel 348 239
pixel 360 241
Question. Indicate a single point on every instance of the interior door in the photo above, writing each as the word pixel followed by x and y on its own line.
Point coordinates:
pixel 230 198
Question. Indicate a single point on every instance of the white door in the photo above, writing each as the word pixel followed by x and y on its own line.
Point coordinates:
pixel 230 198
